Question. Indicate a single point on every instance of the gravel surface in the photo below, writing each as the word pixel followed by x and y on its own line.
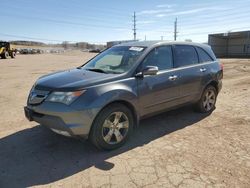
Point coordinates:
pixel 179 148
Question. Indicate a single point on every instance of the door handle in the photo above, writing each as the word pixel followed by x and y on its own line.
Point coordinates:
pixel 203 69
pixel 173 77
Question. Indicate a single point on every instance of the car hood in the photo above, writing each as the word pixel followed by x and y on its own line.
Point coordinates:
pixel 70 80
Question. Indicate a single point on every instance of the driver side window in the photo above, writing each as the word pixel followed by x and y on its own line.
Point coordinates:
pixel 160 57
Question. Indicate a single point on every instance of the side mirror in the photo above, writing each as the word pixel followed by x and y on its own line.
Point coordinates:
pixel 148 70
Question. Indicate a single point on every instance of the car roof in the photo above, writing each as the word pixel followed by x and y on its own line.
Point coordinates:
pixel 159 42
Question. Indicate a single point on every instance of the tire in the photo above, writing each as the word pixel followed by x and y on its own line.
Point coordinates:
pixel 13 54
pixel 5 55
pixel 112 127
pixel 207 101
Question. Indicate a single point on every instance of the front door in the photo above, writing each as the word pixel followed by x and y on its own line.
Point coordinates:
pixel 161 91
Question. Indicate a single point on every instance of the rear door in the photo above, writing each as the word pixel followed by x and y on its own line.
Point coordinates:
pixel 161 91
pixel 207 66
pixel 186 61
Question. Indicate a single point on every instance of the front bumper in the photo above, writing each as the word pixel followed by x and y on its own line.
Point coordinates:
pixel 61 118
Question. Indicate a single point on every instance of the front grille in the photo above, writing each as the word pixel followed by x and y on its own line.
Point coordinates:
pixel 37 96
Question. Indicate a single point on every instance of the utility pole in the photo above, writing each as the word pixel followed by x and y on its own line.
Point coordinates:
pixel 145 37
pixel 162 37
pixel 134 29
pixel 175 29
pixel 248 45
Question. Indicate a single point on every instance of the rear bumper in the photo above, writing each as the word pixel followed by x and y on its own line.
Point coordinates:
pixel 219 85
pixel 61 118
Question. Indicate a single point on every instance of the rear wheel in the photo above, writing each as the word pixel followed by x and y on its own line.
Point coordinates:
pixel 112 127
pixel 13 54
pixel 207 100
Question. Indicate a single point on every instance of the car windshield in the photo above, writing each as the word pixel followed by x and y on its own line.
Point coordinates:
pixel 115 60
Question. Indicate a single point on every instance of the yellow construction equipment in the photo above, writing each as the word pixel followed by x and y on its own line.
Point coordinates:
pixel 6 50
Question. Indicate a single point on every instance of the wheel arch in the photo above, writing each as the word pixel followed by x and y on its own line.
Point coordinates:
pixel 130 106
pixel 123 102
pixel 214 84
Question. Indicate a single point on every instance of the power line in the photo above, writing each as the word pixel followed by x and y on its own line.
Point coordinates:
pixel 66 22
pixel 100 8
pixel 215 31
pixel 215 20
pixel 205 25
pixel 204 22
pixel 32 38
pixel 64 9
pixel 20 37
pixel 213 16
pixel 106 26
pixel 88 18
pixel 187 20
pixel 188 24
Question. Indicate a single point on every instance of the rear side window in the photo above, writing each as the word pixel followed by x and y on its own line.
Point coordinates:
pixel 203 55
pixel 185 55
pixel 160 57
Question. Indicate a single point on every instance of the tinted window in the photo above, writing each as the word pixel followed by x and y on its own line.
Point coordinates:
pixel 160 57
pixel 204 57
pixel 185 55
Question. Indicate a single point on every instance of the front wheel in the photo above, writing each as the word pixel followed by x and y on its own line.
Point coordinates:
pixel 207 100
pixel 112 127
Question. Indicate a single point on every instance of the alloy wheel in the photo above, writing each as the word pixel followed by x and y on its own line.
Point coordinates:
pixel 115 127
pixel 209 100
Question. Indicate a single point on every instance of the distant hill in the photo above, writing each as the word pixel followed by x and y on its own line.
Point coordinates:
pixel 65 45
pixel 27 43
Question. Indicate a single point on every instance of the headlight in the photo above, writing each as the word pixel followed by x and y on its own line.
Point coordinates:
pixel 64 97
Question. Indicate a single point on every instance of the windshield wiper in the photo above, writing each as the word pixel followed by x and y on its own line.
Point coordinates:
pixel 97 70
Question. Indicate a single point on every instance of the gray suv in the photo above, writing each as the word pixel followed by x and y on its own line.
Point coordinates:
pixel 104 99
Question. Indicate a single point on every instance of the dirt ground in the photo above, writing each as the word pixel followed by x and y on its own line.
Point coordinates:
pixel 180 148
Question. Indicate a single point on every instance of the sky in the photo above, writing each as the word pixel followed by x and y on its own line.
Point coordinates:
pixel 99 21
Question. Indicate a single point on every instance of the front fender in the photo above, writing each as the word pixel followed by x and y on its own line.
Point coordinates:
pixel 118 94
pixel 97 97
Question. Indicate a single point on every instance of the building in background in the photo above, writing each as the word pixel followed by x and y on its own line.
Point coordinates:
pixel 231 44
pixel 112 43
